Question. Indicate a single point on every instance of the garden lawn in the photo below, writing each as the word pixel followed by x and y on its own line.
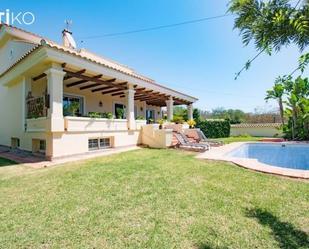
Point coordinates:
pixel 228 140
pixel 151 199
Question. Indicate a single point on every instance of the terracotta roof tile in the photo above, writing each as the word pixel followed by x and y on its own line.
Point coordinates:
pixel 84 54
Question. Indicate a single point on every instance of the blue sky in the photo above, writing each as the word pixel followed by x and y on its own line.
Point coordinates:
pixel 199 59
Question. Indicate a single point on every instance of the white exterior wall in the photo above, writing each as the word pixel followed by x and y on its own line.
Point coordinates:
pixel 67 144
pixel 155 137
pixel 11 122
pixel 11 51
pixel 58 144
pixel 256 131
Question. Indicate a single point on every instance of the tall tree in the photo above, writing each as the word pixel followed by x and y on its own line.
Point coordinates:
pixel 272 24
pixel 296 93
pixel 277 93
pixel 196 115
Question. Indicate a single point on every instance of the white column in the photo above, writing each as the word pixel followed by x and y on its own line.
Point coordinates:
pixel 55 91
pixel 130 107
pixel 26 88
pixel 160 115
pixel 170 107
pixel 190 111
pixel 144 108
pixel 155 115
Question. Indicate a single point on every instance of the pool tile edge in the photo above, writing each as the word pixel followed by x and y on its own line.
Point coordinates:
pixel 219 153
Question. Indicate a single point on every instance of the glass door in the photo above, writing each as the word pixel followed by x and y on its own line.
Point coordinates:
pixel 150 116
pixel 120 111
pixel 73 105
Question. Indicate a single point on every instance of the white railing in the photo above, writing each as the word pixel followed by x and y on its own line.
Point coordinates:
pixel 82 124
pixel 36 107
pixel 140 124
pixel 37 124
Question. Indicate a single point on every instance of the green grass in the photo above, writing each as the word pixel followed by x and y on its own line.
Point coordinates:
pixel 6 162
pixel 228 140
pixel 151 199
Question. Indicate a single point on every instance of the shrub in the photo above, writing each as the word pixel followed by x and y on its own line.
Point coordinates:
pixel 178 120
pixel 140 117
pixel 94 114
pixel 108 115
pixel 215 128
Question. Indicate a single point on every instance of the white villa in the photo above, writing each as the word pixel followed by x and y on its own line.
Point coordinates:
pixel 60 101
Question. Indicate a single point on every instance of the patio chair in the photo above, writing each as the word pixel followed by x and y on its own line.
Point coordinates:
pixel 203 139
pixel 186 144
pixel 186 139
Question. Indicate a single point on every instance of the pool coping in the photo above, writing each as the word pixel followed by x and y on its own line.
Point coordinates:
pixel 219 154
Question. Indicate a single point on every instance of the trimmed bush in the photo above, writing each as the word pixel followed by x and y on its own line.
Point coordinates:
pixel 215 128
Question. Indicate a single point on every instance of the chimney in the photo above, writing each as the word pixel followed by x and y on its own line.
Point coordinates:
pixel 67 39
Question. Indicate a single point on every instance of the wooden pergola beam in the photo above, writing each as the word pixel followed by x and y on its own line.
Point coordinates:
pixel 89 86
pixel 153 100
pixel 116 94
pixel 102 89
pixel 144 94
pixel 39 77
pixel 67 77
pixel 155 96
pixel 143 98
pixel 123 83
pixel 99 81
pixel 155 103
pixel 141 93
pixel 111 91
pixel 92 85
pixel 108 87
pixel 139 96
pixel 140 89
pixel 149 91
pixel 76 83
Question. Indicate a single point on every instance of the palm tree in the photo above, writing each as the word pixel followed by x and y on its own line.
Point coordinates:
pixel 277 93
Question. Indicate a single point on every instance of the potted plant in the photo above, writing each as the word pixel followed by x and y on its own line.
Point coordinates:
pixel 161 122
pixel 191 123
pixel 119 113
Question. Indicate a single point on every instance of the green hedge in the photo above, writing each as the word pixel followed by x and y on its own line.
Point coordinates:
pixel 215 128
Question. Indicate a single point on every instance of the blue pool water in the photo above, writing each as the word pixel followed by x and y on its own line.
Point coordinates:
pixel 294 156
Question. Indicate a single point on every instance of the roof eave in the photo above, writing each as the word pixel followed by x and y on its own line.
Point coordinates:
pixel 60 56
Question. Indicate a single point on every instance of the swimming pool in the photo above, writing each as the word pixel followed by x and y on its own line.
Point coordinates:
pixel 293 156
